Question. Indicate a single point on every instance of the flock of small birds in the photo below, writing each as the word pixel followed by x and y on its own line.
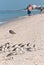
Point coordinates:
pixel 14 49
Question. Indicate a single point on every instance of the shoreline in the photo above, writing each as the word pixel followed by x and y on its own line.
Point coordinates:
pixel 16 19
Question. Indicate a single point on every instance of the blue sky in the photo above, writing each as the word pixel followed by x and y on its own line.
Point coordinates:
pixel 18 4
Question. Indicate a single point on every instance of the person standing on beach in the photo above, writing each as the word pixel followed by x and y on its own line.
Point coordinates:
pixel 29 8
pixel 41 10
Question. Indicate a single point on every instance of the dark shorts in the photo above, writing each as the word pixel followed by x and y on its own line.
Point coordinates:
pixel 29 12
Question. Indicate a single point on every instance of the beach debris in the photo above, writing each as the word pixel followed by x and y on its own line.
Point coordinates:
pixel 11 32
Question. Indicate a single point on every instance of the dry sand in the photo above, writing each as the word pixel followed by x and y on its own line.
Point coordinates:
pixel 27 30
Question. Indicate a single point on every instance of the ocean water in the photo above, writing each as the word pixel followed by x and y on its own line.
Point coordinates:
pixel 8 15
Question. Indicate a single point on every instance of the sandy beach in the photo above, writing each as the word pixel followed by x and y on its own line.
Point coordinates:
pixel 22 41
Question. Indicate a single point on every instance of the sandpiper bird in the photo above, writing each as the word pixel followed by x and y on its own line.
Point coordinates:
pixel 34 47
pixel 17 50
pixel 11 32
pixel 27 47
pixel 19 44
pixel 28 44
pixel 7 46
pixel 14 49
pixel 22 45
pixel 1 48
pixel 15 46
pixel 10 54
